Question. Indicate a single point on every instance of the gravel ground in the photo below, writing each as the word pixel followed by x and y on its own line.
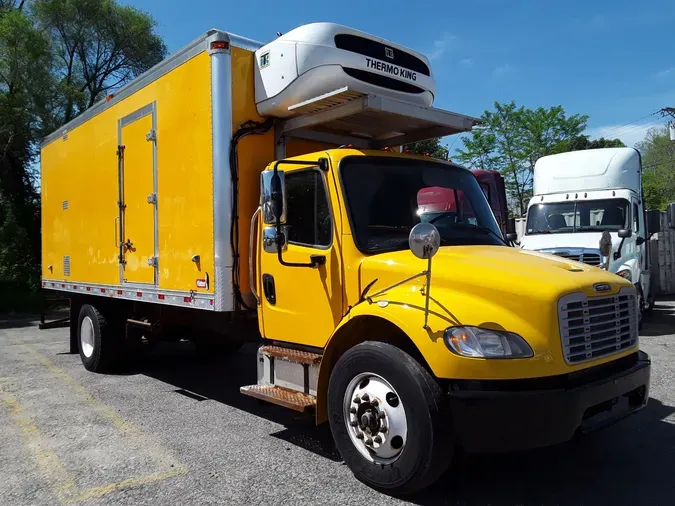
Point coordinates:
pixel 176 430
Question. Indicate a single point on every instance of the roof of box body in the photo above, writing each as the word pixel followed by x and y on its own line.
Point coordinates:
pixel 165 66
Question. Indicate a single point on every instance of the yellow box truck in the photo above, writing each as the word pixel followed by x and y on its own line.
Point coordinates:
pixel 242 189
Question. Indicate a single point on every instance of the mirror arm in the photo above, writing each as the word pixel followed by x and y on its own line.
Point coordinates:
pixel 617 253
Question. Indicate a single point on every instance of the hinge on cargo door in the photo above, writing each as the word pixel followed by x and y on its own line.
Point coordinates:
pixel 152 261
pixel 152 198
pixel 151 135
pixel 120 151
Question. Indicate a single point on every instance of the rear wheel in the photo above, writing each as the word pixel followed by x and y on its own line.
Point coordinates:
pixel 389 418
pixel 98 344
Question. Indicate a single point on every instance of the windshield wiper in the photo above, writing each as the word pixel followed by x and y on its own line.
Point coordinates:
pixel 482 229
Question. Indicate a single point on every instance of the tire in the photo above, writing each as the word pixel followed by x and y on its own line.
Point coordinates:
pixel 428 444
pixel 98 345
pixel 641 305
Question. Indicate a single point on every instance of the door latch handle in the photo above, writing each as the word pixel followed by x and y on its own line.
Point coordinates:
pixel 128 244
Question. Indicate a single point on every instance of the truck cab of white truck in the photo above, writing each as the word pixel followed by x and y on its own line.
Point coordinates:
pixel 588 206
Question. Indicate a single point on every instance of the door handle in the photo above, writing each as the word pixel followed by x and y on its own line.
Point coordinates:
pixel 251 236
pixel 268 288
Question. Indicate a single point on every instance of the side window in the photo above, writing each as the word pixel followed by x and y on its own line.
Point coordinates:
pixel 636 219
pixel 307 211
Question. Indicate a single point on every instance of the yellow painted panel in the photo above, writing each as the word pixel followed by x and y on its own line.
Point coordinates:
pixel 309 302
pixel 82 169
pixel 139 214
pixel 255 152
pixel 297 147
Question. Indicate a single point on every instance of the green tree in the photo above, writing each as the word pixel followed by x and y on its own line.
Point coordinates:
pixel 581 142
pixel 511 140
pixel 24 74
pixel 658 165
pixel 432 147
pixel 57 57
pixel 98 46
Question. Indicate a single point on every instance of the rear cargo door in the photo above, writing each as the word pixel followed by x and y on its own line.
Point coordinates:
pixel 138 183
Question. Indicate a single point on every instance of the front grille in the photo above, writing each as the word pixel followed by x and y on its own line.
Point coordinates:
pixel 586 258
pixel 374 49
pixel 382 81
pixel 595 327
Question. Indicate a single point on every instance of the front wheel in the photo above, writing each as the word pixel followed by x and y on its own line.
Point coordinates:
pixel 389 418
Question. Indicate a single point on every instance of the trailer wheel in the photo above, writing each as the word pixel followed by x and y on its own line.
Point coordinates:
pixel 389 418
pixel 98 345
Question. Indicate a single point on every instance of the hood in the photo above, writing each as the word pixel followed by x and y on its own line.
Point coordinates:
pixel 589 240
pixel 579 240
pixel 496 270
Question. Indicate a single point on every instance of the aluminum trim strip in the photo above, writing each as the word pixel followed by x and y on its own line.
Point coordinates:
pixel 148 293
pixel 221 105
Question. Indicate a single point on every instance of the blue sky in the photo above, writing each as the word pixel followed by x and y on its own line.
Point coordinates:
pixel 613 60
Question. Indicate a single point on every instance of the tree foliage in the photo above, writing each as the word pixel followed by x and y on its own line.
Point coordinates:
pixel 581 142
pixel 658 165
pixel 513 138
pixel 431 147
pixel 98 45
pixel 57 57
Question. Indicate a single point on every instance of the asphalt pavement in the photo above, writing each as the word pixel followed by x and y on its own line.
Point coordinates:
pixel 174 430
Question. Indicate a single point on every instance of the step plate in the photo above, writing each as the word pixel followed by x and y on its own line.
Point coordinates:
pixel 280 396
pixel 297 356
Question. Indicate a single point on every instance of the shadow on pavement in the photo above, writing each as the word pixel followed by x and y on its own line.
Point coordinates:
pixel 629 463
pixel 661 320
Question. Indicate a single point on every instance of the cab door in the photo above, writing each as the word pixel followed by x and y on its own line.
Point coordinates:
pixel 302 305
pixel 138 209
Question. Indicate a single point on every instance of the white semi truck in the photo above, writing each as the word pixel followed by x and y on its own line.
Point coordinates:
pixel 588 206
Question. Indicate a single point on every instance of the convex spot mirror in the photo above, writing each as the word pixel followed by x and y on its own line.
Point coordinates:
pixel 273 193
pixel 424 240
pixel 625 233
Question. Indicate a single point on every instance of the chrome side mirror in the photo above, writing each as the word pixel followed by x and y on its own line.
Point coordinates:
pixel 273 196
pixel 424 240
pixel 270 239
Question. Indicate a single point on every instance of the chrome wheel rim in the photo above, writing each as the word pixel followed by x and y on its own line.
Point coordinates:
pixel 375 418
pixel 87 337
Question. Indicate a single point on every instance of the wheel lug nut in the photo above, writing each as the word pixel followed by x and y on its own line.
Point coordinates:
pixel 366 397
pixel 359 436
pixel 381 415
pixel 357 400
pixel 377 439
pixel 383 429
pixel 369 442
pixel 374 402
pixel 352 411
pixel 354 423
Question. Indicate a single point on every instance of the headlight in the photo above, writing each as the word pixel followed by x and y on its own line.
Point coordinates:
pixel 625 274
pixel 484 343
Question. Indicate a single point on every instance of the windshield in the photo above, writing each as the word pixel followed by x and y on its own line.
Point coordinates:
pixel 584 216
pixel 386 197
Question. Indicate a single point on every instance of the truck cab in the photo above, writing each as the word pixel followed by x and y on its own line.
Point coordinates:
pixel 588 206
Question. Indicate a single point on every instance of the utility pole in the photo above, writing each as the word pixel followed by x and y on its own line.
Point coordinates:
pixel 670 111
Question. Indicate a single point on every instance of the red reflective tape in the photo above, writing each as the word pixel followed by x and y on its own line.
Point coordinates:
pixel 102 290
pixel 74 287
pixel 160 296
pixel 89 288
pixel 53 284
pixel 211 302
pixel 119 292
pixel 187 299
pixel 63 285
pixel 139 294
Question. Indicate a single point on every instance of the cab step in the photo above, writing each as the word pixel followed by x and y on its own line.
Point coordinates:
pixel 291 399
pixel 286 377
